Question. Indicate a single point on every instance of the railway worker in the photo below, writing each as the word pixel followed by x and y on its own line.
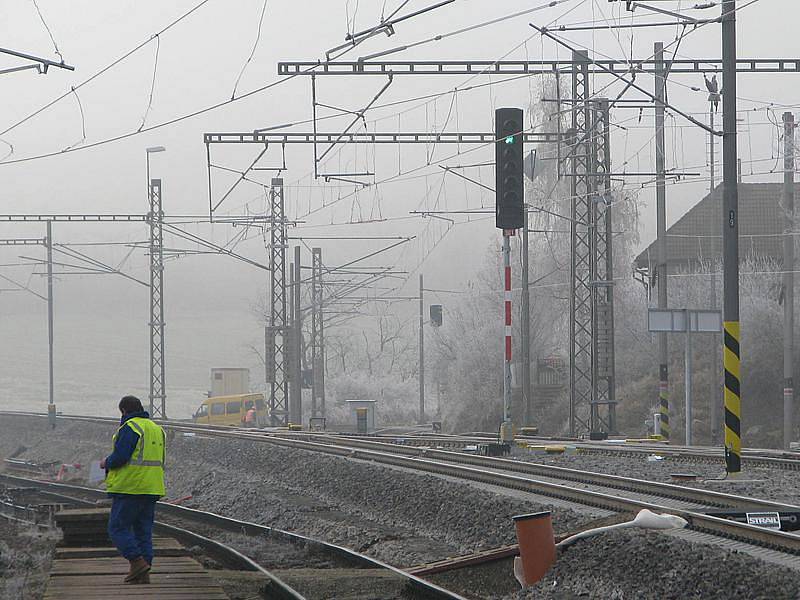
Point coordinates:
pixel 250 417
pixel 135 481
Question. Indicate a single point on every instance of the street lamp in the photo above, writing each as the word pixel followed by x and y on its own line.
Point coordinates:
pixel 149 151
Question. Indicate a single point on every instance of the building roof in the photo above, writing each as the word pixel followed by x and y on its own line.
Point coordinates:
pixel 697 235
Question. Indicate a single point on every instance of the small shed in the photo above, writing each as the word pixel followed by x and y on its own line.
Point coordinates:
pixel 229 381
pixel 362 415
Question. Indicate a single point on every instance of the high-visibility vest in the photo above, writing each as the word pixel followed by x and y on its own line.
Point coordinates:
pixel 144 472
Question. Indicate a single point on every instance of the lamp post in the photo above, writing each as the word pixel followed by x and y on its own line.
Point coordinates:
pixel 149 151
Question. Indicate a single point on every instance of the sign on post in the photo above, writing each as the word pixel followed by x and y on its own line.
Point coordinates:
pixel 688 321
pixel 673 320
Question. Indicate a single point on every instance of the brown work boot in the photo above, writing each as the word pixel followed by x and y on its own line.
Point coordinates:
pixel 143 578
pixel 139 566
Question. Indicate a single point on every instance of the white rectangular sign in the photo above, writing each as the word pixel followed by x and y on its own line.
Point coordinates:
pixel 673 320
pixel 770 520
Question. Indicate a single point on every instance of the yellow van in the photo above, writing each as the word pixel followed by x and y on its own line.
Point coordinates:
pixel 230 410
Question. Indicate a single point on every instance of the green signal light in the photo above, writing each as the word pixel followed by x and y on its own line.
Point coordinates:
pixel 510 139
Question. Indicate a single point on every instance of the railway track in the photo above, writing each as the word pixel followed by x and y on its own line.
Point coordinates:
pixel 591 480
pixel 27 501
pixel 765 458
pixel 294 567
pixel 751 457
pixel 593 489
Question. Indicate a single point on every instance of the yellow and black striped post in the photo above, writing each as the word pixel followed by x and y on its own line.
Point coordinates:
pixel 733 400
pixel 730 246
pixel 663 401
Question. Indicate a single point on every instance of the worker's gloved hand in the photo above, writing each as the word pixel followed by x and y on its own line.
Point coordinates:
pixel 103 464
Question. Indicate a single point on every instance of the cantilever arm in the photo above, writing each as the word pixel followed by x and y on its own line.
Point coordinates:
pixel 42 61
pixel 630 83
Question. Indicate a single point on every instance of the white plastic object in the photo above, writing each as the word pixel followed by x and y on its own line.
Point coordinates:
pixel 645 519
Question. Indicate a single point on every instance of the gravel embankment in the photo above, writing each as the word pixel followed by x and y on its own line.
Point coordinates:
pixel 770 484
pixel 639 565
pixel 401 517
pixel 407 518
pixel 25 557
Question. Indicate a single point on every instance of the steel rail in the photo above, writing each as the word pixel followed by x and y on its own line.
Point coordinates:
pixel 226 554
pixel 422 588
pixel 785 542
pixel 779 540
pixel 705 455
pixel 666 490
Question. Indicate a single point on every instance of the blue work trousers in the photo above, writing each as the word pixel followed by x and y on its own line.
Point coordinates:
pixel 130 525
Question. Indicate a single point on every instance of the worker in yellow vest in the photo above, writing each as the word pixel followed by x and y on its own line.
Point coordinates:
pixel 135 482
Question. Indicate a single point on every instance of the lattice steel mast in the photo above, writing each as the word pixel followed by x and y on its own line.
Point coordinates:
pixel 582 264
pixel 604 407
pixel 155 219
pixel 317 347
pixel 277 331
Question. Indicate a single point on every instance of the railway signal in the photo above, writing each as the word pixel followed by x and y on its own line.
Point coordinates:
pixel 436 315
pixel 509 216
pixel 510 205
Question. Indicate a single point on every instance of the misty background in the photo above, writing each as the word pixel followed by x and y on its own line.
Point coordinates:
pixel 212 302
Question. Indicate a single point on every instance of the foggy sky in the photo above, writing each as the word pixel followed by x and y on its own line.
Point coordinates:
pixel 199 61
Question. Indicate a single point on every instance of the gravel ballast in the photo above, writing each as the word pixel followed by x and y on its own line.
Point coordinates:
pixel 406 518
pixel 401 517
pixel 25 557
pixel 779 485
pixel 622 565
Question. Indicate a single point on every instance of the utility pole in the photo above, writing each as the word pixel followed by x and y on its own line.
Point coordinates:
pixel 661 237
pixel 421 352
pixel 51 382
pixel 788 278
pixel 525 338
pixel 297 350
pixel 313 341
pixel 730 244
pixel 290 348
pixel 158 387
pixel 687 375
pixel 714 403
pixel 321 333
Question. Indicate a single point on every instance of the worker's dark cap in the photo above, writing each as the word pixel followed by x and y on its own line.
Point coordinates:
pixel 130 404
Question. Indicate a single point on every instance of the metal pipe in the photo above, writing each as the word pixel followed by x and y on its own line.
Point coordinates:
pixel 51 384
pixel 688 377
pixel 788 278
pixel 526 329
pixel 714 399
pixel 321 334
pixel 421 353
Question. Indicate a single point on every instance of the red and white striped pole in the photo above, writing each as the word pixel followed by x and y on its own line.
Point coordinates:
pixel 506 429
